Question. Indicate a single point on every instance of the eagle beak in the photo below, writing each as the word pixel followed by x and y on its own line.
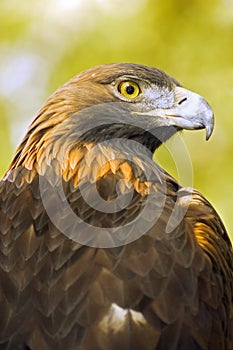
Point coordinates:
pixel 186 110
pixel 191 112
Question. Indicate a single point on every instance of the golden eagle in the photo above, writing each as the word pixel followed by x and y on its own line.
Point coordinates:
pixel 100 248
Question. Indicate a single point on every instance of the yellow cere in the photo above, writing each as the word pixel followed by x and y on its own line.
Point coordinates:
pixel 129 89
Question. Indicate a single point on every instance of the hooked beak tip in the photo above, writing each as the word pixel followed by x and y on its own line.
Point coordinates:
pixel 209 127
pixel 209 131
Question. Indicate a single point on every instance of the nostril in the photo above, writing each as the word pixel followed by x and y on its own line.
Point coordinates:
pixel 183 100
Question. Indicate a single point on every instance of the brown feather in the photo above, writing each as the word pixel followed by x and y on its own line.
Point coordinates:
pixel 169 289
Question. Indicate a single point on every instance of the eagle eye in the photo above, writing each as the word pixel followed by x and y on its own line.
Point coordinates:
pixel 129 89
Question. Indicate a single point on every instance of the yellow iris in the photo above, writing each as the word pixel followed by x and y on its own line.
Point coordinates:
pixel 129 89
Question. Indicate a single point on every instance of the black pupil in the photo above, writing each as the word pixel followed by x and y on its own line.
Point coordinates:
pixel 129 89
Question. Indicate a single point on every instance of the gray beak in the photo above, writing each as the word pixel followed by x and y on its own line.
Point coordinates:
pixel 188 111
pixel 191 112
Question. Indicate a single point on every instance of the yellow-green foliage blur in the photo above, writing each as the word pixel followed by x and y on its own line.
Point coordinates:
pixel 43 43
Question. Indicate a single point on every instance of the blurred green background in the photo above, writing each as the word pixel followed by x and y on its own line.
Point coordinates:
pixel 43 43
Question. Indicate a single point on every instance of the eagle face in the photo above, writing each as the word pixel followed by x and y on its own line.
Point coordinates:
pixel 149 92
pixel 169 103
pixel 100 248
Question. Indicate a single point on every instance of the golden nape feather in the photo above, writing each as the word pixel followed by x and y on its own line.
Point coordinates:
pixel 100 248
